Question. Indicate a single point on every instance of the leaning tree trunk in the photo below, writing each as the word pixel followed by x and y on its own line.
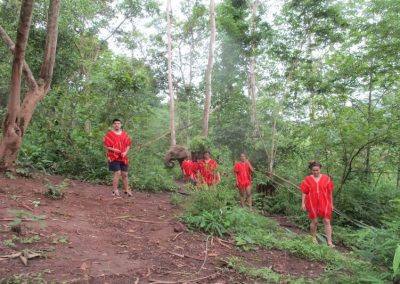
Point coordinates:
pixel 19 115
pixel 207 99
pixel 170 86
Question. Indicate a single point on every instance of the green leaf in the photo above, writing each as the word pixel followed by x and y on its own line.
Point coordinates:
pixel 396 260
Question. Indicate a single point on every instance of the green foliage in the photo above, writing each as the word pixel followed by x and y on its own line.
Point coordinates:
pixel 150 174
pixel 176 199
pixel 61 240
pixel 30 240
pixel 396 261
pixel 19 215
pixel 26 278
pixel 57 191
pixel 200 143
pixel 264 273
pixel 9 243
pixel 216 212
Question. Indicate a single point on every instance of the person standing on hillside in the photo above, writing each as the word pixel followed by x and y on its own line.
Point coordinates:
pixel 208 170
pixel 243 170
pixel 117 143
pixel 317 200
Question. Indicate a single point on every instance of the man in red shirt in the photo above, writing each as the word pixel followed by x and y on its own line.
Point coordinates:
pixel 243 170
pixel 117 143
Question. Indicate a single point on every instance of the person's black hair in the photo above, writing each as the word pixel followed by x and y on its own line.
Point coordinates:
pixel 206 152
pixel 314 163
pixel 116 120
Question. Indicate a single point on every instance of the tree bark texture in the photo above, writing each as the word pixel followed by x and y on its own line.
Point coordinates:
pixel 20 114
pixel 207 98
pixel 170 84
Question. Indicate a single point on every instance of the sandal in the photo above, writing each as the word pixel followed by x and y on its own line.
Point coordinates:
pixel 331 245
pixel 115 193
pixel 129 193
pixel 315 241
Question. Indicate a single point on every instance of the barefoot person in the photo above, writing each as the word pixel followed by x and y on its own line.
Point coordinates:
pixel 117 143
pixel 243 170
pixel 207 169
pixel 317 200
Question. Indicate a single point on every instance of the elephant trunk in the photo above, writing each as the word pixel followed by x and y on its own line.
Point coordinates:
pixel 168 162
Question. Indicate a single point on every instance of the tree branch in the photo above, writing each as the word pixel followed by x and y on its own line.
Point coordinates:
pixel 25 68
pixel 18 60
pixel 46 71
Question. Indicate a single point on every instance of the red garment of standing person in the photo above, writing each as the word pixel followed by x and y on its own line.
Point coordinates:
pixel 243 175
pixel 187 168
pixel 121 142
pixel 318 196
pixel 317 200
pixel 243 170
pixel 117 143
pixel 208 170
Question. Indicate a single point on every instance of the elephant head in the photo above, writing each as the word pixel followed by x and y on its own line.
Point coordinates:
pixel 175 153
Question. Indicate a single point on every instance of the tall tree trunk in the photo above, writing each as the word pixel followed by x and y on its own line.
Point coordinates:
pixel 398 173
pixel 170 85
pixel 12 135
pixel 252 69
pixel 367 169
pixel 19 115
pixel 207 99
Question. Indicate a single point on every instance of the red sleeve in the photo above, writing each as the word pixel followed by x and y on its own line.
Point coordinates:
pixel 330 185
pixel 107 141
pixel 305 187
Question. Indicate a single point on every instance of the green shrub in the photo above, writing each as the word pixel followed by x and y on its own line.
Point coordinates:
pixel 57 191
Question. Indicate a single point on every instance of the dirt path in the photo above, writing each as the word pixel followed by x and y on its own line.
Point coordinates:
pixel 91 237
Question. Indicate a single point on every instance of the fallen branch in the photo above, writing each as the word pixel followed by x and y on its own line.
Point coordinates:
pixel 24 256
pixel 183 281
pixel 205 256
pixel 228 242
pixel 27 207
pixel 223 244
pixel 11 220
pixel 177 236
pixel 185 255
pixel 142 221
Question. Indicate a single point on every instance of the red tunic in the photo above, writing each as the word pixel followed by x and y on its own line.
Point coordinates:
pixel 187 168
pixel 207 172
pixel 243 175
pixel 117 141
pixel 318 199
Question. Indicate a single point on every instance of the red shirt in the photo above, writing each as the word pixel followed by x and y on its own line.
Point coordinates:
pixel 187 167
pixel 117 141
pixel 208 171
pixel 243 175
pixel 318 196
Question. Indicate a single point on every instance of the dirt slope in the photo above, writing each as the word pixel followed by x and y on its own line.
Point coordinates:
pixel 91 237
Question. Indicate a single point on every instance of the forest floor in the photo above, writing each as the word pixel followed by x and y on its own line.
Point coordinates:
pixel 91 237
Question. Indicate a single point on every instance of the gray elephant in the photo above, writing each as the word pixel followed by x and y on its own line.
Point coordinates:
pixel 175 153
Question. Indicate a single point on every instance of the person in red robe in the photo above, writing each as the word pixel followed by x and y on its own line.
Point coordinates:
pixel 243 170
pixel 317 200
pixel 207 170
pixel 188 169
pixel 117 143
